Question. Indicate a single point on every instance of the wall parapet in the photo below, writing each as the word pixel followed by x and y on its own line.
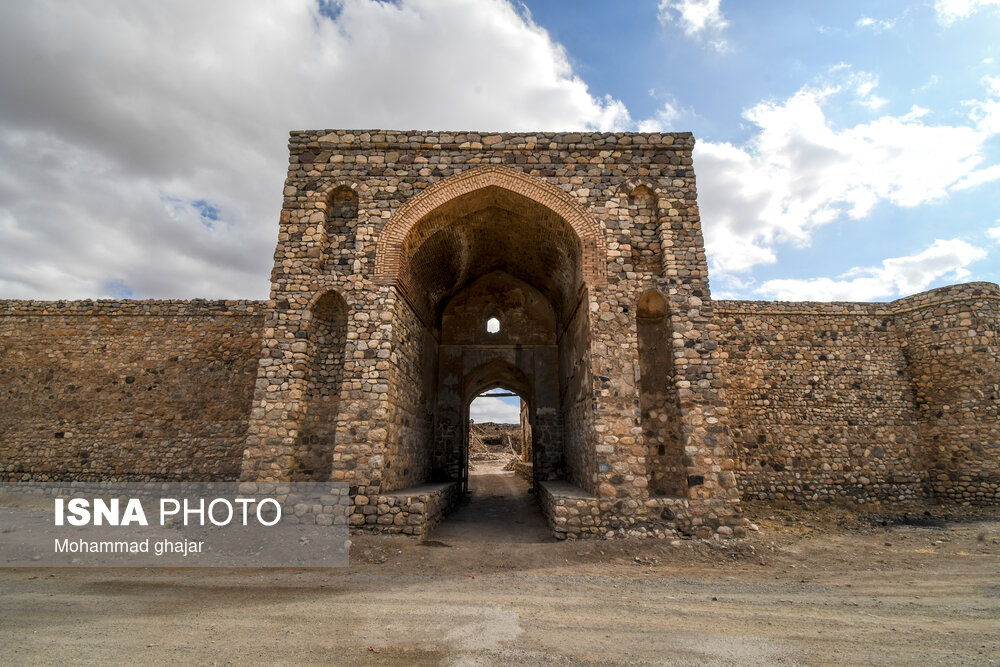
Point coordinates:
pixel 946 295
pixel 935 297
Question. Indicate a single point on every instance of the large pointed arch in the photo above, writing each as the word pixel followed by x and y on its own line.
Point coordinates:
pixel 389 251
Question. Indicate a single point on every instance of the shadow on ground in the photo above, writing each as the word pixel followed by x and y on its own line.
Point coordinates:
pixel 498 508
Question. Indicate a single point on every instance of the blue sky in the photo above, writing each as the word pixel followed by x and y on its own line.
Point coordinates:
pixel 502 409
pixel 772 78
pixel 846 151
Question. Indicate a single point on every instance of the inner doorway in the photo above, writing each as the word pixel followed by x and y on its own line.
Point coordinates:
pixel 499 434
pixel 499 505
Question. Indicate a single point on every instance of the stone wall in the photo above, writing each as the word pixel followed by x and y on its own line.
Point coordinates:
pixel 573 514
pixel 822 407
pixel 126 390
pixel 413 512
pixel 412 361
pixel 952 348
pixel 865 402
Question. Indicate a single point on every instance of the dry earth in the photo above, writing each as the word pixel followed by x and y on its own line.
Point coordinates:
pixel 813 586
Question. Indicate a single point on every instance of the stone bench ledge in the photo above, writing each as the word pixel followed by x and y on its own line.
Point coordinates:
pixel 421 491
pixel 563 489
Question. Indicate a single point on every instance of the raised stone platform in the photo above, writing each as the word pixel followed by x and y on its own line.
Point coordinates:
pixel 523 470
pixel 572 514
pixel 412 511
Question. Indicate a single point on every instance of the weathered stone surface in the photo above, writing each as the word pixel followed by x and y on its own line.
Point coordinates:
pixel 866 402
pixel 126 390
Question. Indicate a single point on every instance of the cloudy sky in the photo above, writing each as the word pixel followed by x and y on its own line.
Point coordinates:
pixel 846 151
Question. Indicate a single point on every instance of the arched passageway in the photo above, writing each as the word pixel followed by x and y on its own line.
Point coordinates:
pixel 493 375
pixel 495 291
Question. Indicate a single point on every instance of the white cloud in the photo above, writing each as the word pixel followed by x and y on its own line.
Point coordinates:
pixel 986 113
pixel 978 177
pixel 799 172
pixel 143 145
pixel 949 11
pixel 930 83
pixel 663 120
pixel 994 233
pixel 489 409
pixel 865 91
pixel 698 19
pixel 897 276
pixel 878 25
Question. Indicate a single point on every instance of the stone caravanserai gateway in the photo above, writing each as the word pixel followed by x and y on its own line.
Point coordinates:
pixel 651 406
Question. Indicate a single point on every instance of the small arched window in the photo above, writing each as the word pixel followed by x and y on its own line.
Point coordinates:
pixel 492 325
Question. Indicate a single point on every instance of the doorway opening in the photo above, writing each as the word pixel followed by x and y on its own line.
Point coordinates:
pixel 499 435
pixel 499 504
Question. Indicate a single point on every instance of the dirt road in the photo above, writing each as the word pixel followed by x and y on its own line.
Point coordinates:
pixel 802 590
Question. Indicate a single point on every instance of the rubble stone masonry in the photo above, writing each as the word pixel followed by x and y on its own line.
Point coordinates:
pixel 126 390
pixel 866 402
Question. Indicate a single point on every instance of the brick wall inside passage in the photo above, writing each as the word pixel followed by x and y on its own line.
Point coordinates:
pixel 113 390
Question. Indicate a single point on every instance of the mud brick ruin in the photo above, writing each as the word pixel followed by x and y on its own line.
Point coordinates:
pixel 651 407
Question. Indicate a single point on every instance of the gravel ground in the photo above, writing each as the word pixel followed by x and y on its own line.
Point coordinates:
pixel 811 586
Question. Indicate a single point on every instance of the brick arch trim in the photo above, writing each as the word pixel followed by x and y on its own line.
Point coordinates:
pixel 389 250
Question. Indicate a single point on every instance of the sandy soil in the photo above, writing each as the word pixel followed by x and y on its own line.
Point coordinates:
pixel 816 586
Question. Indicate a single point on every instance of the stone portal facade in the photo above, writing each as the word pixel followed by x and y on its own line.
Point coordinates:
pixel 418 240
pixel 415 270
